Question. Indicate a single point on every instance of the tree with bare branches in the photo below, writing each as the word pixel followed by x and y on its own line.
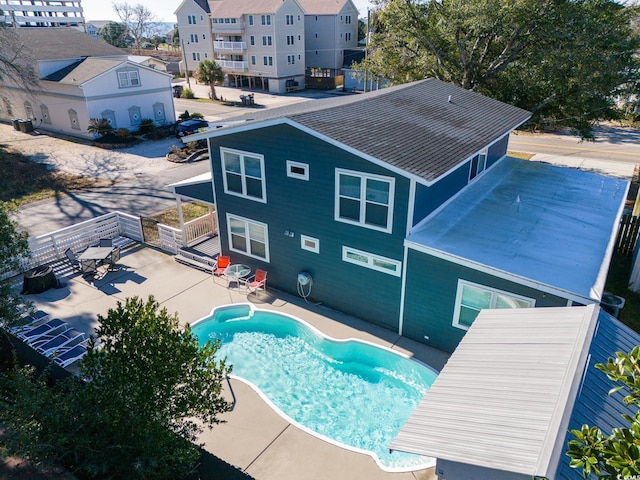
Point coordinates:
pixel 140 21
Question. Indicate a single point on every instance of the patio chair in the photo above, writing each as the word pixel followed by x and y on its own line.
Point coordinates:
pixel 257 281
pixel 47 337
pixel 88 267
pixel 73 259
pixel 52 326
pixel 223 262
pixel 113 259
pixel 67 356
pixel 106 242
pixel 67 339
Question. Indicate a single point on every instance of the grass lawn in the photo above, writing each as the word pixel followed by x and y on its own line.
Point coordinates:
pixel 23 181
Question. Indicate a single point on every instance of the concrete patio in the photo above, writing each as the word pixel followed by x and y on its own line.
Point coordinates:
pixel 254 438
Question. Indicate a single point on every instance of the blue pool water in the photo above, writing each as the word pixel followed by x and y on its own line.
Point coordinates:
pixel 349 392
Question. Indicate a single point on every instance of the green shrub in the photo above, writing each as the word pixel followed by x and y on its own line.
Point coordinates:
pixel 123 133
pixel 99 126
pixel 197 115
pixel 187 93
pixel 146 125
pixel 185 116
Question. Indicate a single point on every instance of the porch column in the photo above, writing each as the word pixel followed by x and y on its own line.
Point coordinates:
pixel 212 219
pixel 181 219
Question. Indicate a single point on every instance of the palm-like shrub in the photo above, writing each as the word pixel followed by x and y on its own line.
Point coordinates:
pixel 210 72
pixel 99 126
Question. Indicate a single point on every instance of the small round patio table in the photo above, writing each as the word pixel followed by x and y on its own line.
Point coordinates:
pixel 235 273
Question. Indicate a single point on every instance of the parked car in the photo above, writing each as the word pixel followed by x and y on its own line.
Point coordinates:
pixel 190 126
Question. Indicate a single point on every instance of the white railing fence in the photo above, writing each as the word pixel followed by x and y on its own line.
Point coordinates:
pixel 199 228
pixel 51 247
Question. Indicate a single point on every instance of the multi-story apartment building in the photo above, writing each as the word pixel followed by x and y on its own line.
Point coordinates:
pixel 194 24
pixel 269 44
pixel 260 44
pixel 42 13
pixel 331 27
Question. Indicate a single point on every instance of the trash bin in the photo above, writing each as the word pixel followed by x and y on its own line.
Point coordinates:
pixel 612 304
pixel 177 91
pixel 16 123
pixel 26 125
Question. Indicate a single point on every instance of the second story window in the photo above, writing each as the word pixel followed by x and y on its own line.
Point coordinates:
pixel 478 164
pixel 364 199
pixel 128 78
pixel 267 40
pixel 289 19
pixel 191 19
pixel 196 56
pixel 194 38
pixel 244 174
pixel 347 36
pixel 268 61
pixel 347 19
pixel 252 40
pixel 266 19
pixel 290 39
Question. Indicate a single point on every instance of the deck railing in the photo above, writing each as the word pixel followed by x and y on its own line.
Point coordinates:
pixel 199 228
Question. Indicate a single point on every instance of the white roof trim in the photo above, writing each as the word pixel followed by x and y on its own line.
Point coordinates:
pixel 527 282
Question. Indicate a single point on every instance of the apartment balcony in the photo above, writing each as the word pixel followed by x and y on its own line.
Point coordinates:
pixel 229 47
pixel 233 65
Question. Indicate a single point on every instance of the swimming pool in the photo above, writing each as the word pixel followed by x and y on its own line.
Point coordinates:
pixel 348 392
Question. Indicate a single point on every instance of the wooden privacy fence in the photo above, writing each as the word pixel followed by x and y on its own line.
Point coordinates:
pixel 627 235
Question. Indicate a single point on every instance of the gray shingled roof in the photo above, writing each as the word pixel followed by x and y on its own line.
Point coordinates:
pixel 412 127
pixel 83 70
pixel 237 8
pixel 322 7
pixel 58 43
pixel 204 5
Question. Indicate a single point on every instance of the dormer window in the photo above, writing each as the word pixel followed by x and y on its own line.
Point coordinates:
pixel 128 78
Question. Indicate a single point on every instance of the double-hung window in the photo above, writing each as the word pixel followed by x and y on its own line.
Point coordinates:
pixel 248 237
pixel 128 78
pixel 266 19
pixel 243 174
pixel 471 298
pixel 364 199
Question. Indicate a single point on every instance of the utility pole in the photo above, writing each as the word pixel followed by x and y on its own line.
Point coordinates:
pixel 186 68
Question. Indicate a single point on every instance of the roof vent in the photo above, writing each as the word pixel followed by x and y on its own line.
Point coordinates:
pixel 449 100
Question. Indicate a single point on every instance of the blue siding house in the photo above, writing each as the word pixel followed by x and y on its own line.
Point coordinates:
pixel 349 189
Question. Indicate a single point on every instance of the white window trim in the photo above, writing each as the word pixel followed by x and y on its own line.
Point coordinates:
pixel 248 221
pixel 371 258
pixel 364 176
pixel 224 150
pixel 494 292
pixel 481 167
pixel 302 176
pixel 303 246
pixel 125 77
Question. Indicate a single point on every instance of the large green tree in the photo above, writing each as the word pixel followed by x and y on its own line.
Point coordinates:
pixel 13 248
pixel 115 34
pixel 614 455
pixel 560 59
pixel 210 72
pixel 150 390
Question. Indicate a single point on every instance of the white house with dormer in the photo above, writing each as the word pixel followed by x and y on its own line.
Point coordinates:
pixel 82 78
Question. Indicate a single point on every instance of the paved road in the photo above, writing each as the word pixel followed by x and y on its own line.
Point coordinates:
pixel 617 144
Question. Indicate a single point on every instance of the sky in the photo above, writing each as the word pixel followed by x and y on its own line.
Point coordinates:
pixel 103 10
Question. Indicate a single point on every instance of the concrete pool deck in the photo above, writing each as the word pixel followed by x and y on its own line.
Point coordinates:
pixel 254 439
